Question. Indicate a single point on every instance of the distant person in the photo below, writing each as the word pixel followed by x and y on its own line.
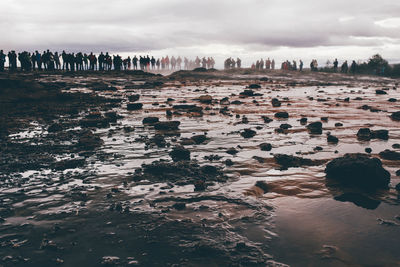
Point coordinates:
pixel 301 64
pixel 268 64
pixel 335 65
pixel 239 63
pixel 2 60
pixel 344 68
pixel 158 63
pixel 353 67
pixel 135 62
pixel 153 63
pixel 273 64
pixel 179 63
pixel 261 64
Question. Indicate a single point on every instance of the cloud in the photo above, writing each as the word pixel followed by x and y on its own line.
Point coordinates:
pixel 179 25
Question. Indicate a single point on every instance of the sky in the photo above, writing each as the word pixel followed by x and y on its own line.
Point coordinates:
pixel 249 29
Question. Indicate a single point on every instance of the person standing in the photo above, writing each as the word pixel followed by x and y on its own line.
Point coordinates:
pixel 335 65
pixel 2 60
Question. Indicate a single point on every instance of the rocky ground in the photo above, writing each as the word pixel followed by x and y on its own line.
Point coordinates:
pixel 199 168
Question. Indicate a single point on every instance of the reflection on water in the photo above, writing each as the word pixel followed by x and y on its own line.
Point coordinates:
pixel 299 220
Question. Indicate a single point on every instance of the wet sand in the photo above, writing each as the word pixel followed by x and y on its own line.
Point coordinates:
pixel 74 190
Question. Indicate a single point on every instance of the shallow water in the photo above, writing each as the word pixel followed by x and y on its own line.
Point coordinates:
pixel 297 222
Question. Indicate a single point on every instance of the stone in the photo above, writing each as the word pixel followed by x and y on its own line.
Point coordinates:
pixel 134 106
pixel 390 155
pixel 358 170
pixel 315 127
pixel 179 153
pixel 248 133
pixel 282 115
pixel 265 146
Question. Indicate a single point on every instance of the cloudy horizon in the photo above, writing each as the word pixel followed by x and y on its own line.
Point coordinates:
pixel 252 29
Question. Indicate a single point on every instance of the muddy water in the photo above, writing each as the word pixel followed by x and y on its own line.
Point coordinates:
pixel 97 214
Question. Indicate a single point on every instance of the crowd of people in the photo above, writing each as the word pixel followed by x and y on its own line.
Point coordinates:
pixel 259 64
pixel 230 63
pixel 82 61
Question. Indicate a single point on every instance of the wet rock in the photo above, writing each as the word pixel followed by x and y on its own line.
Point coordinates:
pixel 134 106
pixel 224 101
pixel 303 121
pixel 199 139
pixel 263 185
pixel 282 115
pixel 287 161
pixel 199 185
pixel 380 92
pixel 158 140
pixel 398 189
pixel 188 108
pixel 396 146
pixel 179 153
pixel 232 151
pixel 275 102
pixel 179 206
pixel 266 119
pixel 390 155
pixel 315 127
pixel 236 102
pixel 134 98
pixel 358 170
pixel 229 162
pixel 112 116
pixel 248 133
pixel 338 124
pixel 395 116
pixel 332 139
pixel 247 93
pixel 398 172
pixel 364 134
pixel 392 100
pixel 150 120
pixel 167 125
pixel 265 146
pixel 205 99
pixel 368 150
pixel 254 86
pixel 380 134
pixel 285 126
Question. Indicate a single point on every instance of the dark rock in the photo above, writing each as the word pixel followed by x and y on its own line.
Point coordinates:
pixel 248 133
pixel 380 134
pixel 392 99
pixel 254 86
pixel 364 134
pixel 380 92
pixel 188 108
pixel 315 127
pixel 303 121
pixel 282 114
pixel 338 124
pixel 285 126
pixel 396 146
pixel 358 170
pixel 199 185
pixel 134 106
pixel 198 139
pixel 265 146
pixel 390 155
pixel 397 187
pixel 150 120
pixel 68 164
pixel 287 161
pixel 229 162
pixel 332 139
pixel 266 119
pixel 167 125
pixel 179 206
pixel 263 185
pixel 275 102
pixel 395 116
pixel 324 119
pixel 236 102
pixel 247 93
pixel 205 99
pixel 232 151
pixel 368 150
pixel 179 153
pixel 133 98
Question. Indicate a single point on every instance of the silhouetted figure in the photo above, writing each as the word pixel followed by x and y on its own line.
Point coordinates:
pixel 101 60
pixel 273 64
pixel 178 63
pixel 158 63
pixel 335 65
pixel 12 60
pixel 344 68
pixel 239 63
pixel 2 60
pixel 135 62
pixel 153 63
pixel 353 67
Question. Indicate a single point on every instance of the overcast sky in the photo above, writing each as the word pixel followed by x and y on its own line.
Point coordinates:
pixel 250 29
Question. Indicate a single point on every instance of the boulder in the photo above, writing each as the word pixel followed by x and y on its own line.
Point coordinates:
pixel 315 127
pixel 248 133
pixel 167 125
pixel 282 115
pixel 390 155
pixel 358 170
pixel 179 153
pixel 134 106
